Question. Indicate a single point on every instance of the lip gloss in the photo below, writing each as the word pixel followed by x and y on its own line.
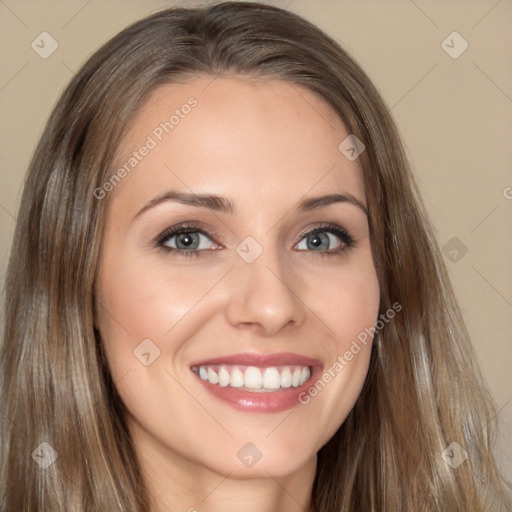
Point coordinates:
pixel 278 400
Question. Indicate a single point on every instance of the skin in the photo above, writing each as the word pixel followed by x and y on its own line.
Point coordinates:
pixel 265 145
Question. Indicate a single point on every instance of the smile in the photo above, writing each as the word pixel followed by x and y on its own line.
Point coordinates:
pixel 252 378
pixel 262 383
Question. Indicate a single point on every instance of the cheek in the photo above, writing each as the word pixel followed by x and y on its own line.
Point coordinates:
pixel 349 308
pixel 348 302
pixel 145 299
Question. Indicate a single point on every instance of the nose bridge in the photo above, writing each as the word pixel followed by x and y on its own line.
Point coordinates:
pixel 261 289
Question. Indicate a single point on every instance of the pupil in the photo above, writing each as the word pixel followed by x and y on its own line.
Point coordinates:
pixel 316 240
pixel 186 240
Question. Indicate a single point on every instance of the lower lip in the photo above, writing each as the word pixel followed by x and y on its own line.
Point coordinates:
pixel 266 402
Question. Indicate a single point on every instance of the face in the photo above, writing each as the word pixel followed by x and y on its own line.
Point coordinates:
pixel 229 299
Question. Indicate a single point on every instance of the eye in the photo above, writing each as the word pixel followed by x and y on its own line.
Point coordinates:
pixel 321 238
pixel 184 240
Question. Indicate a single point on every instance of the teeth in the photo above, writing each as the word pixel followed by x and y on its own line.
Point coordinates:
pixel 236 380
pixel 271 378
pixel 224 377
pixel 254 378
pixel 286 378
pixel 213 377
pixel 296 377
pixel 304 375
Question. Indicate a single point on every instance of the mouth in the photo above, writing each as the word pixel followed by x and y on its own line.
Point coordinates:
pixel 257 382
pixel 254 379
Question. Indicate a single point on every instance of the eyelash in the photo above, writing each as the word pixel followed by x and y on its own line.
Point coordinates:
pixel 343 235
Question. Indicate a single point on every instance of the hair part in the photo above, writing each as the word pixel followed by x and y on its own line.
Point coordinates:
pixel 423 390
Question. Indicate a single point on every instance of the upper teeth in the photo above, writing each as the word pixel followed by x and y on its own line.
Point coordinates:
pixel 254 378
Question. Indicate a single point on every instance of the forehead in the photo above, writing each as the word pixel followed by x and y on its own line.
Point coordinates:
pixel 259 140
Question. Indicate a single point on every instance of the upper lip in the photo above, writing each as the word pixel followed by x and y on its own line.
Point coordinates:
pixel 261 360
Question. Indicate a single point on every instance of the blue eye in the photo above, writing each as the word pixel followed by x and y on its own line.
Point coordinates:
pixel 323 236
pixel 182 239
pixel 188 240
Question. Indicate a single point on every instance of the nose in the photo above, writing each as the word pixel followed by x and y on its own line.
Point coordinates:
pixel 264 296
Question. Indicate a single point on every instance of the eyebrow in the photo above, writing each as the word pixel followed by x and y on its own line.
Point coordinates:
pixel 224 205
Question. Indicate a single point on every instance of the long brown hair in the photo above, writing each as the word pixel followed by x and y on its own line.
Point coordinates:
pixel 423 391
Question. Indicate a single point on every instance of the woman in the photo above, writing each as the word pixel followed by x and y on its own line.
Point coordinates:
pixel 174 339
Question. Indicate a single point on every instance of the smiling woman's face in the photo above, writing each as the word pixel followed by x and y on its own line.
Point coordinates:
pixel 248 296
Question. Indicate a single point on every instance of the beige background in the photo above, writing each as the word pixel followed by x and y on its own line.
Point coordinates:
pixel 454 114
